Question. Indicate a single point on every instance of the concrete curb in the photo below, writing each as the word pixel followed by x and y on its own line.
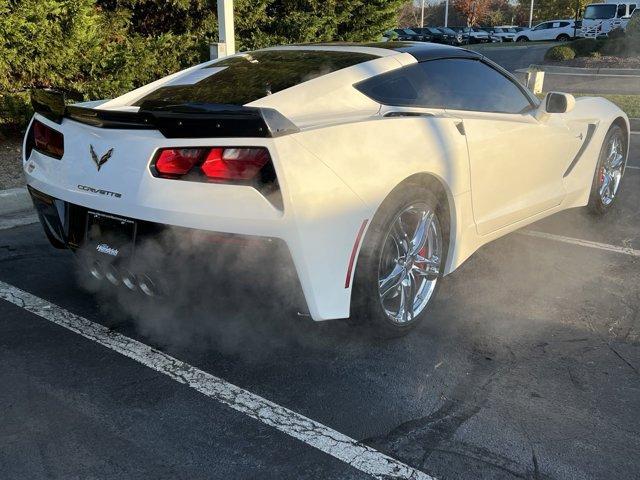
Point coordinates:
pixel 635 124
pixel 14 200
pixel 555 69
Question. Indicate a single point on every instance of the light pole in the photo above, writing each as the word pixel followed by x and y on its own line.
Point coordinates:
pixel 422 15
pixel 446 13
pixel 531 14
pixel 225 25
pixel 226 36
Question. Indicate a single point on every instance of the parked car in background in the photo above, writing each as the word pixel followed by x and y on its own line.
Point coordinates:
pixel 559 30
pixel 514 27
pixel 435 35
pixel 475 35
pixel 402 34
pixel 503 33
pixel 457 37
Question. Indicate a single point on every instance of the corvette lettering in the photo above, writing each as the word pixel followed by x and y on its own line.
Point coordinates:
pixel 99 191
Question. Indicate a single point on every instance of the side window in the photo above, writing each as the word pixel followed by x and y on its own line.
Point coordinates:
pixel 399 87
pixel 465 84
pixel 564 24
pixel 632 7
pixel 622 11
pixel 542 26
pixel 457 84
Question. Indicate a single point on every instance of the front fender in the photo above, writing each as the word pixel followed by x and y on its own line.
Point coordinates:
pixel 601 113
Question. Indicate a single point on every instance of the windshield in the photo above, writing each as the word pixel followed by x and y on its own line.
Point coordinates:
pixel 448 31
pixel 409 31
pixel 601 11
pixel 241 79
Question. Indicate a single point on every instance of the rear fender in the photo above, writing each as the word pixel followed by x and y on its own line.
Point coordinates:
pixel 338 176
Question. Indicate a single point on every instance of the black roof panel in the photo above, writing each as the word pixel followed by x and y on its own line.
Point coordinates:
pixel 420 50
pixel 425 51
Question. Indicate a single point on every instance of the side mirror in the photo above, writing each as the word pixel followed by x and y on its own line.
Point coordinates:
pixel 555 102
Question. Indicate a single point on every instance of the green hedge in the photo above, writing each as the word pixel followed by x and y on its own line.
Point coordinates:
pixel 627 45
pixel 584 47
pixel 94 49
pixel 76 47
pixel 560 53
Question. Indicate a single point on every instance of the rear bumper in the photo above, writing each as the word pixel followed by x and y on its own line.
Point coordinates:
pixel 65 225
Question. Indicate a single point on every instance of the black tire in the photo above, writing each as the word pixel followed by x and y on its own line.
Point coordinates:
pixel 563 38
pixel 522 39
pixel 366 308
pixel 596 204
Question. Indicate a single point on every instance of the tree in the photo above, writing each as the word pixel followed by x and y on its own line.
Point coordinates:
pixel 409 14
pixel 102 48
pixel 544 10
pixel 500 12
pixel 472 10
pixel 261 23
pixel 365 20
pixel 434 15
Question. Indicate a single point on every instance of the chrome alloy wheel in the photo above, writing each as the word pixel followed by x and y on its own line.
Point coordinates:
pixel 410 263
pixel 611 170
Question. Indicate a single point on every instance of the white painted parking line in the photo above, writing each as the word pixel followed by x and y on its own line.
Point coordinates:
pixel 582 243
pixel 10 222
pixel 632 167
pixel 329 441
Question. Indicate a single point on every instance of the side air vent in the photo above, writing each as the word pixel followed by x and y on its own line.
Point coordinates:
pixel 408 114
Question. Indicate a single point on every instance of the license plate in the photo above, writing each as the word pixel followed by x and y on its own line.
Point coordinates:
pixel 110 235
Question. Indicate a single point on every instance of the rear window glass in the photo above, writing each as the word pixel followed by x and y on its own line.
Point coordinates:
pixel 242 79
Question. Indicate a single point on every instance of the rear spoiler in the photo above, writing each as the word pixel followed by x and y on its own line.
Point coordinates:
pixel 190 120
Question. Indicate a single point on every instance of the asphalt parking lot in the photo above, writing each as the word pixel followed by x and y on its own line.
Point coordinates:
pixel 529 367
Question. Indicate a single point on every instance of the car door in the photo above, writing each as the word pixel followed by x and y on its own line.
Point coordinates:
pixel 516 162
pixel 553 31
pixel 538 32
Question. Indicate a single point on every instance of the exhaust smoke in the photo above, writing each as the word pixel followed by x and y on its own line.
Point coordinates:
pixel 202 290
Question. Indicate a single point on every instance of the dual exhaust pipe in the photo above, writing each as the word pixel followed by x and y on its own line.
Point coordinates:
pixel 122 276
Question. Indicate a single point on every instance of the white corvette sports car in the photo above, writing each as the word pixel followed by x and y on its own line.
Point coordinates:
pixel 381 167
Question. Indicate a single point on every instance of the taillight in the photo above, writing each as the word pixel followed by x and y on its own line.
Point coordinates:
pixel 175 162
pixel 47 140
pixel 234 163
pixel 218 164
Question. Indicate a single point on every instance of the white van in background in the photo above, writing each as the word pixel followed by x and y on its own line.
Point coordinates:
pixel 601 18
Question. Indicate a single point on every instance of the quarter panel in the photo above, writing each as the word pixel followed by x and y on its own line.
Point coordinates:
pixel 326 216
pixel 374 156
